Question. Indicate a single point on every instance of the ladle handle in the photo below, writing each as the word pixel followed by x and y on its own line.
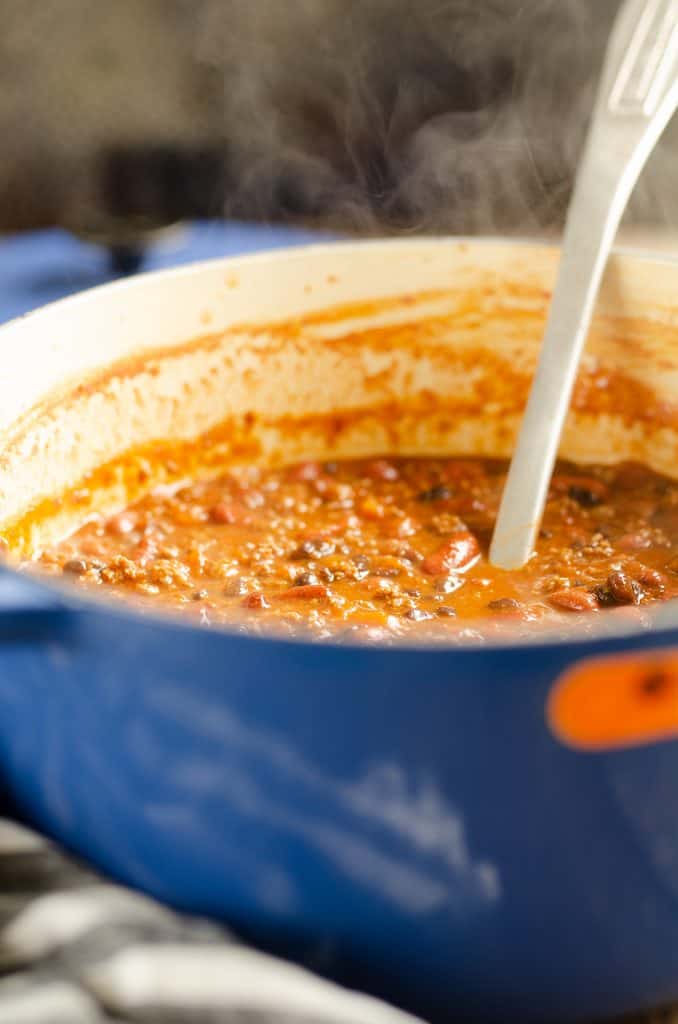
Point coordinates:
pixel 637 95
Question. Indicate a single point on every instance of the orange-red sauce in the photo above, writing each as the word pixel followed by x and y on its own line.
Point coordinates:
pixel 381 547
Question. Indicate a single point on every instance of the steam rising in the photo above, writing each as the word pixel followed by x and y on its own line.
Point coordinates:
pixel 429 116
pixel 440 115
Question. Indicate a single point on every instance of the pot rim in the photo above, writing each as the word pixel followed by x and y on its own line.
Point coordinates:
pixel 282 254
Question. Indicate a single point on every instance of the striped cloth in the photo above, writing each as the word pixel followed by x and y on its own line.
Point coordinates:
pixel 75 949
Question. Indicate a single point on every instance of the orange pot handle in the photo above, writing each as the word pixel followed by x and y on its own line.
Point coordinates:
pixel 614 701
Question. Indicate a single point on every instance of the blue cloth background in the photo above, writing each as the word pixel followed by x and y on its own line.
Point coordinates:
pixel 42 266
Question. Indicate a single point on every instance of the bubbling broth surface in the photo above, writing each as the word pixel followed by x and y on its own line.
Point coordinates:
pixel 382 548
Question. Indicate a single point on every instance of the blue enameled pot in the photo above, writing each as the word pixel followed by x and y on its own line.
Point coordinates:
pixel 417 822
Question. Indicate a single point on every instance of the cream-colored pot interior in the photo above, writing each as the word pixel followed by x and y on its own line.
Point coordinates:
pixel 398 346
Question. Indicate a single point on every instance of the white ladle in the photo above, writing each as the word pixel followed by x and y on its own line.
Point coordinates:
pixel 637 95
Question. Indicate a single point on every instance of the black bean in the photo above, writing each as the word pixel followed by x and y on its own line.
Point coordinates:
pixel 438 493
pixel 652 578
pixel 305 579
pixel 417 614
pixel 654 682
pixel 314 547
pixel 603 595
pixel 76 566
pixel 583 496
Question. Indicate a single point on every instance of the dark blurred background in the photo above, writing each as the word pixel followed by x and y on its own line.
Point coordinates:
pixel 373 116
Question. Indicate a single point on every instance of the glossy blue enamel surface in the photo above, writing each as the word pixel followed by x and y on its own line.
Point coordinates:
pixel 402 818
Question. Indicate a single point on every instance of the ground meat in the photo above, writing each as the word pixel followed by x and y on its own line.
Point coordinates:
pixel 382 548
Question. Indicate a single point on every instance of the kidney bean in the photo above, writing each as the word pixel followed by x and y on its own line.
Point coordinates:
pixel 308 592
pixel 75 566
pixel 574 599
pixel 623 589
pixel 229 513
pixel 653 579
pixel 256 601
pixel 456 553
